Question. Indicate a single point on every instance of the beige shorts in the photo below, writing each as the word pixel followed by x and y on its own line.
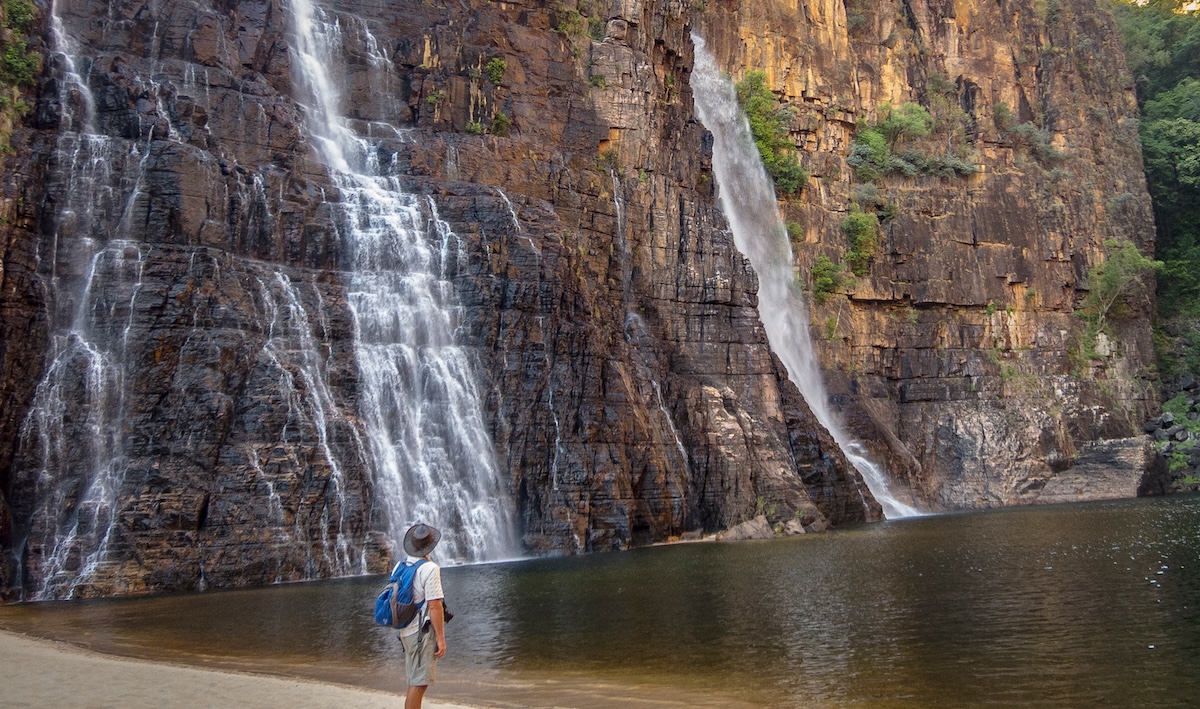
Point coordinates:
pixel 420 666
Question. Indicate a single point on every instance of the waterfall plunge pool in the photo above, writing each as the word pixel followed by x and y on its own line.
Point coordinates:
pixel 1083 605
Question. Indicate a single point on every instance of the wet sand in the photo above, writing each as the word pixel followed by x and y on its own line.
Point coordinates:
pixel 44 673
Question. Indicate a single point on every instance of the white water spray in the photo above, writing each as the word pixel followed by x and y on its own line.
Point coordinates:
pixel 747 198
pixel 419 400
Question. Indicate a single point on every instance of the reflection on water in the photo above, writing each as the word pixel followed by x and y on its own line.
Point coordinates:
pixel 1085 605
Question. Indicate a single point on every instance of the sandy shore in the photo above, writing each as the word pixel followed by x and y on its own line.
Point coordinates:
pixel 43 673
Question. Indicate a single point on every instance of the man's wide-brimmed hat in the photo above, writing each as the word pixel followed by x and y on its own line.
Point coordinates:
pixel 420 539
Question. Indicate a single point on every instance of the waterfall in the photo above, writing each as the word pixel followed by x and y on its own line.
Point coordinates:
pixel 295 355
pixel 73 440
pixel 420 404
pixel 747 198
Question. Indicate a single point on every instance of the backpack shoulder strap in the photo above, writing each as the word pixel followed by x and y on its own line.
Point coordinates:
pixel 416 567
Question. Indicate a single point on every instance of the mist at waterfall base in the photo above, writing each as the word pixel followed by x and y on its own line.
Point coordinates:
pixel 1084 605
pixel 747 198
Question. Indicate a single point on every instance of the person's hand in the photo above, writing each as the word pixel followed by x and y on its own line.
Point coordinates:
pixel 441 648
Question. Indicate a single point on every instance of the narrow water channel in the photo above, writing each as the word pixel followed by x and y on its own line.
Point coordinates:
pixel 1070 606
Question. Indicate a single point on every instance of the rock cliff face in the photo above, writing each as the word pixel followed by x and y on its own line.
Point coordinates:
pixel 181 403
pixel 959 345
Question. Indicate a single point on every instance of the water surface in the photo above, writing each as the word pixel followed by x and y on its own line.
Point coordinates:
pixel 1067 606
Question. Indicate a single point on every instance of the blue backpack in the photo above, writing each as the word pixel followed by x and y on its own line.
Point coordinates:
pixel 394 607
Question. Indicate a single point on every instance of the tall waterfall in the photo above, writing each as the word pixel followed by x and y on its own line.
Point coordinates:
pixel 747 198
pixel 74 438
pixel 419 398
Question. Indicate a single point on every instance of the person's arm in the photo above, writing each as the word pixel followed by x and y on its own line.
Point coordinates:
pixel 439 625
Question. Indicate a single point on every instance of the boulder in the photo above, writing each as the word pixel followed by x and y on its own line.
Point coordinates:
pixel 793 526
pixel 757 528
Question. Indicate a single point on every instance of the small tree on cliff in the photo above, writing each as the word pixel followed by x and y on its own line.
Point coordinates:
pixel 908 120
pixel 1113 284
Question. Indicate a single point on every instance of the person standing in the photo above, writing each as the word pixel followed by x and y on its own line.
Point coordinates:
pixel 422 648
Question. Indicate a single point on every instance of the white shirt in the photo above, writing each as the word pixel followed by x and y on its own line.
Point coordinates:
pixel 427 586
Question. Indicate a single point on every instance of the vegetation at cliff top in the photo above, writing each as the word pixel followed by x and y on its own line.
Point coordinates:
pixel 19 65
pixel 1162 49
pixel 769 124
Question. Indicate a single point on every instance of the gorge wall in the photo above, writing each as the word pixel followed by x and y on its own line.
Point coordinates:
pixel 175 328
pixel 961 344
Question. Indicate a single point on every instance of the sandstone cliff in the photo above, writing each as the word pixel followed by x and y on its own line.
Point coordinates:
pixel 961 342
pixel 629 391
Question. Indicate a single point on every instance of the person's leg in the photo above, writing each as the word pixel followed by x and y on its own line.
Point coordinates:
pixel 414 696
pixel 420 666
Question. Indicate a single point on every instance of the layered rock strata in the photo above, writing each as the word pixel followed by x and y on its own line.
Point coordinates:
pixel 175 288
pixel 630 392
pixel 960 345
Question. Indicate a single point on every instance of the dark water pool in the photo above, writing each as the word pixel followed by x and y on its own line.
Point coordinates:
pixel 1069 606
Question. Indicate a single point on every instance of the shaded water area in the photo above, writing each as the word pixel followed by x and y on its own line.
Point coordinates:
pixel 1070 606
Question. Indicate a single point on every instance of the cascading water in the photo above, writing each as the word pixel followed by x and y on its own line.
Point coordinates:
pixel 747 199
pixel 419 401
pixel 77 442
pixel 295 354
pixel 74 439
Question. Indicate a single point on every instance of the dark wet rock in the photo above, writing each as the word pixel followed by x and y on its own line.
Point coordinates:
pixel 628 386
pixel 1111 469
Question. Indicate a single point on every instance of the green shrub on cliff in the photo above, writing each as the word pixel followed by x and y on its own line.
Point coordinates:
pixel 826 278
pixel 19 65
pixel 1037 140
pixel 501 124
pixel 861 230
pixel 18 15
pixel 769 125
pixel 874 155
pixel 870 155
pixel 1180 406
pixel 914 162
pixel 909 120
pixel 495 69
pixel 1002 116
pixel 571 23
